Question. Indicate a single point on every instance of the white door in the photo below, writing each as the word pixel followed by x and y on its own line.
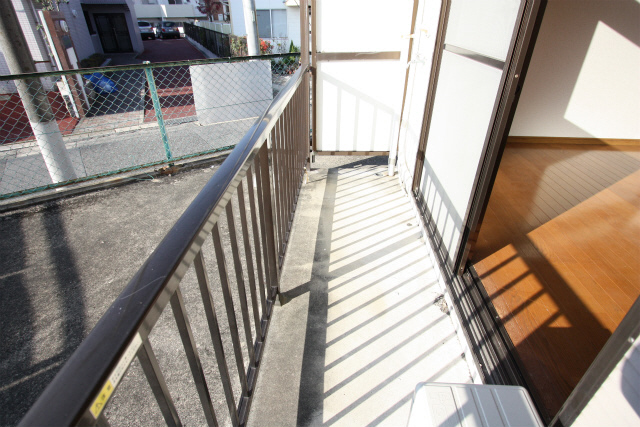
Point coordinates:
pixel 475 72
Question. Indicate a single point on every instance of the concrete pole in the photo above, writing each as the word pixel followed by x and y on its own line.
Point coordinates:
pixel 34 98
pixel 251 26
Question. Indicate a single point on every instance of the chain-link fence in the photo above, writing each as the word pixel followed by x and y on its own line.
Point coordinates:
pixel 61 128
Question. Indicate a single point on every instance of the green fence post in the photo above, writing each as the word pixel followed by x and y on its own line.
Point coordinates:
pixel 156 106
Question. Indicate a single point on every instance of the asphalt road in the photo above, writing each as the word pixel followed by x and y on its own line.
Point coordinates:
pixel 169 50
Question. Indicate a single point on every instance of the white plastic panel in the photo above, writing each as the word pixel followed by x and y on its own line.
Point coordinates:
pixel 484 27
pixel 472 405
pixel 358 105
pixel 465 97
pixel 417 87
pixel 356 26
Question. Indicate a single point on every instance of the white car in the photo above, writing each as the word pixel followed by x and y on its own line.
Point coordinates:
pixel 147 31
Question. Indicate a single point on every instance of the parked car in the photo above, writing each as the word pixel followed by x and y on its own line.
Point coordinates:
pixel 147 31
pixel 169 29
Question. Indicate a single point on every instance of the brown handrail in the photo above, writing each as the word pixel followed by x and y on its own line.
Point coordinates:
pixel 83 386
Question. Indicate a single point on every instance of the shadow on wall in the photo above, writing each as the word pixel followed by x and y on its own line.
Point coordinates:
pixel 442 217
pixel 350 119
pixel 582 80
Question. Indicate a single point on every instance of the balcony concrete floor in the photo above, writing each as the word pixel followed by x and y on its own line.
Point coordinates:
pixel 362 319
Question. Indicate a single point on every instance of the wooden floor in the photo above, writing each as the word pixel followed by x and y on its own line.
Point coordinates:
pixel 559 254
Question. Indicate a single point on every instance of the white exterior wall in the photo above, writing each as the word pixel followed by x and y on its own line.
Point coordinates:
pixel 584 78
pixel 163 11
pixel 96 6
pixel 359 101
pixel 237 18
pixel 237 15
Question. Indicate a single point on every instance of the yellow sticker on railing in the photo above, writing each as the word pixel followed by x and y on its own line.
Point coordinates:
pixel 102 399
pixel 116 375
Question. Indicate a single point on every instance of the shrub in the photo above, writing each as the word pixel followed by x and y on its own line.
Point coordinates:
pixel 93 61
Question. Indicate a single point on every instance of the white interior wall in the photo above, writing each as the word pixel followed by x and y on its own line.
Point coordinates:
pixel 584 76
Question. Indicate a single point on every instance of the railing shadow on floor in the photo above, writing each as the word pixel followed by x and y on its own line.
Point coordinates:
pixel 360 318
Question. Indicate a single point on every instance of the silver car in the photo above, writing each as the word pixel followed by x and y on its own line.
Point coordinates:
pixel 147 31
pixel 169 30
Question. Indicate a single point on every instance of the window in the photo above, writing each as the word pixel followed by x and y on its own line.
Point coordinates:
pixel 272 23
pixel 278 23
pixel 264 23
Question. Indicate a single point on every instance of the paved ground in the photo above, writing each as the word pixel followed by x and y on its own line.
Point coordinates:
pixel 22 166
pixel 169 50
pixel 159 51
pixel 364 318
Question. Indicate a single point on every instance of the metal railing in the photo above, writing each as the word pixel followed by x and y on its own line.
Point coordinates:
pixel 214 41
pixel 103 121
pixel 257 186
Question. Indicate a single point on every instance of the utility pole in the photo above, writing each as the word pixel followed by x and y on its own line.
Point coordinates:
pixel 34 98
pixel 251 25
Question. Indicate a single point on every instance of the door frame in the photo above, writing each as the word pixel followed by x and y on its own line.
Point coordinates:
pixel 109 15
pixel 491 346
pixel 515 69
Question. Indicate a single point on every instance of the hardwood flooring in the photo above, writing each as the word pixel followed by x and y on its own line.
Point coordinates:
pixel 559 253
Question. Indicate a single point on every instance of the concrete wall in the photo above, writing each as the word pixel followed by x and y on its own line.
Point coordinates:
pixel 78 29
pixel 247 95
pixel 584 78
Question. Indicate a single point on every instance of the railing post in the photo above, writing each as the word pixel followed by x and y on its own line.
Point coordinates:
pixel 156 106
pixel 268 206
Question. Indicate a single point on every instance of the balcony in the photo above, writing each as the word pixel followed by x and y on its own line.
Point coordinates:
pixel 301 292
pixel 145 11
pixel 329 258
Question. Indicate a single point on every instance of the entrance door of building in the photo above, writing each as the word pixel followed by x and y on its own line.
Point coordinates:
pixel 113 32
